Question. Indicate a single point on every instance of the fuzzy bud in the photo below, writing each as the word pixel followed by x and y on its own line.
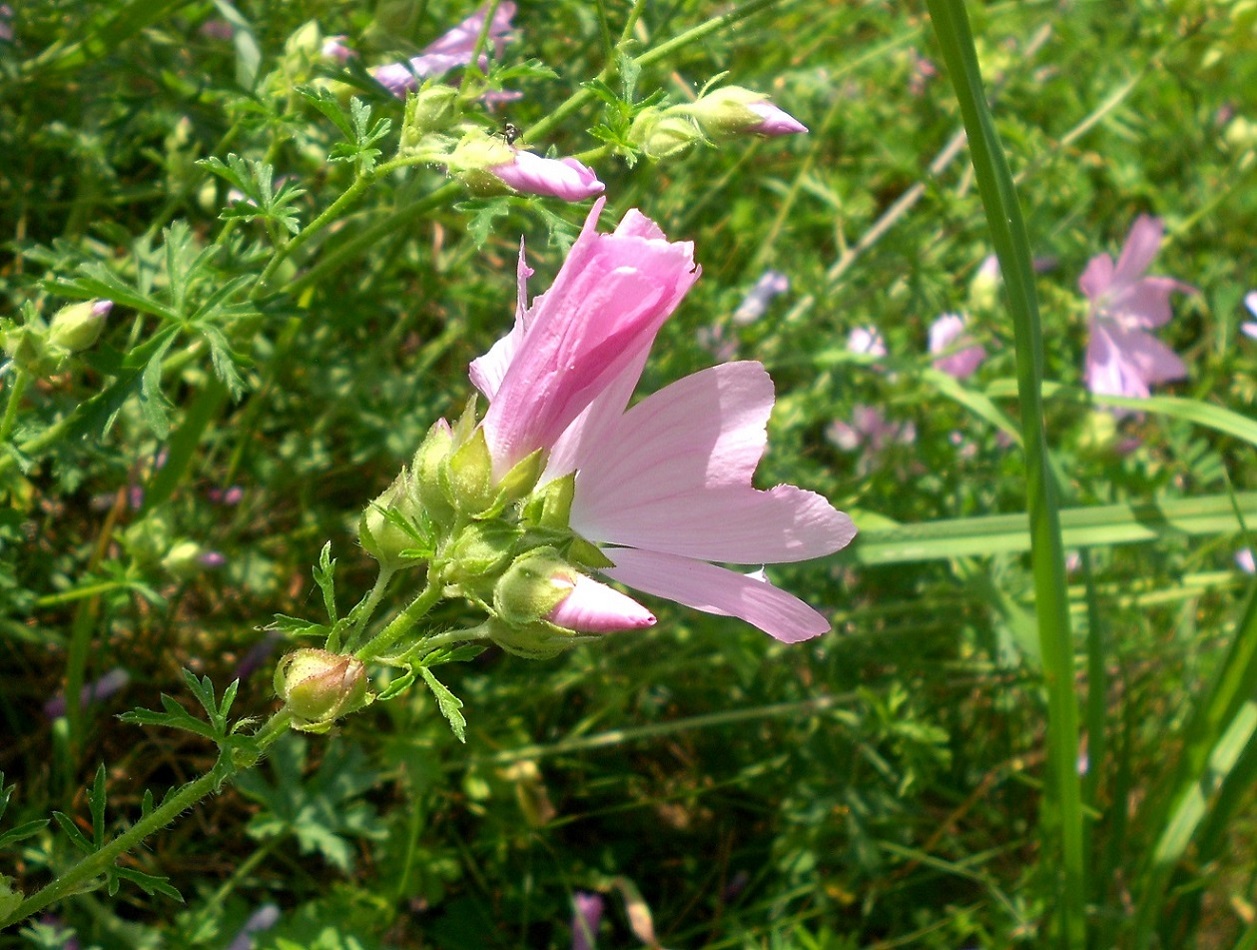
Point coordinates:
pixel 469 475
pixel 662 136
pixel 318 687
pixel 533 586
pixel 79 325
pixel 432 109
pixel 379 536
pixel 732 110
pixel 428 467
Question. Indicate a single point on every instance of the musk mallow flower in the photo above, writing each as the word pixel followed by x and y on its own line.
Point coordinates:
pixel 486 164
pixel 664 488
pixel 1123 358
pixel 734 110
pixel 451 50
pixel 961 356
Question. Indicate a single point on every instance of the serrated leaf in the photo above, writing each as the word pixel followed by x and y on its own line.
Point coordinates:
pixel 397 687
pixel 96 804
pixel 25 830
pixel 72 832
pixel 483 212
pixel 297 626
pixel 323 100
pixel 181 720
pixel 449 704
pixel 149 883
pixel 459 654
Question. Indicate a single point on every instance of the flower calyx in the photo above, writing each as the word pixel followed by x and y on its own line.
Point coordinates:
pixel 318 687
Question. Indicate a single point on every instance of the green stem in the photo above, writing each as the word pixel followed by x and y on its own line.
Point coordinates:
pixel 79 877
pixel 405 621
pixel 367 608
pixel 1062 814
pixel 21 379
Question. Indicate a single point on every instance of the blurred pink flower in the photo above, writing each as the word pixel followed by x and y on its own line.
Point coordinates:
pixel 1250 328
pixel 869 430
pixel 770 284
pixel 453 49
pixel 947 335
pixel 866 340
pixel 93 692
pixel 586 916
pixel 664 487
pixel 1245 562
pixel 564 178
pixel 1122 358
pixel 6 23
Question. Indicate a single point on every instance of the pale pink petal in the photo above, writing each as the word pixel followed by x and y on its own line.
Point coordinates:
pixel 1147 356
pixel 717 590
pixel 1250 301
pixel 1097 278
pixel 461 40
pixel 563 178
pixel 1146 302
pixel 1139 250
pixel 593 607
pixel 775 121
pixel 1107 372
pixel 675 475
pixel 948 332
pixel 608 301
pixel 486 371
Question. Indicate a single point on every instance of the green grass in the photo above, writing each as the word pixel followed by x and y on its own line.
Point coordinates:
pixel 994 747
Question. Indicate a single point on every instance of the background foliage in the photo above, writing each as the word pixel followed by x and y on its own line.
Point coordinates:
pixel 880 786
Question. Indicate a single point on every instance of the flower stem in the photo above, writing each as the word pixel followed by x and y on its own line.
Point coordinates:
pixel 404 622
pixel 21 379
pixel 1062 812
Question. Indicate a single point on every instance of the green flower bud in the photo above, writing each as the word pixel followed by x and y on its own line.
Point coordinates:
pixel 183 560
pixel 476 153
pixel 318 687
pixel 522 478
pixel 379 536
pixel 533 641
pixel 431 482
pixel 481 550
pixel 469 475
pixel 534 584
pixel 1099 435
pixel 27 345
pixel 662 136
pixel 79 325
pixel 432 109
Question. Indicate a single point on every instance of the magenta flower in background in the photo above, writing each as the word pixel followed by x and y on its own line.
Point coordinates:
pixel 586 916
pixel 1123 359
pixel 1250 328
pixel 870 431
pixel 563 178
pixel 663 488
pixel 6 23
pixel 947 335
pixel 102 688
pixel 453 49
pixel 1245 562
pixel 334 48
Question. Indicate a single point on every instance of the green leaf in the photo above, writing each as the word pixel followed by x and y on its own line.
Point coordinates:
pixel 150 884
pixel 325 577
pixel 96 804
pixel 483 212
pixel 18 833
pixel 77 838
pixel 397 686
pixel 449 704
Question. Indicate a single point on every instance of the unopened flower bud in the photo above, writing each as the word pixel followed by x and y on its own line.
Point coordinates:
pixel 183 560
pixel 470 475
pixel 733 110
pixel 533 586
pixel 593 607
pixel 481 550
pixel 431 480
pixel 318 687
pixel 432 109
pixel 27 346
pixel 661 136
pixel 79 325
pixel 533 641
pixel 379 535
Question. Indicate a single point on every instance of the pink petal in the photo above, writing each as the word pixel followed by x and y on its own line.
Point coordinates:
pixel 1146 302
pixel 607 303
pixel 564 178
pixel 486 371
pixel 1149 357
pixel 1107 372
pixel 675 476
pixel 1097 278
pixel 946 333
pixel 1140 248
pixel 717 590
pixel 593 607
pixel 775 121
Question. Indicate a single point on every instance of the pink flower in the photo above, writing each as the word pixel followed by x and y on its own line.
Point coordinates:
pixel 869 430
pixel 1250 328
pixel 770 284
pixel 564 178
pixel 1245 562
pixel 663 488
pixel 450 51
pixel 1122 358
pixel 947 335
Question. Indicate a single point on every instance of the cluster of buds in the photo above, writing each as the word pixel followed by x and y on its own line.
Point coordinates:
pixel 42 348
pixel 725 113
pixel 501 543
